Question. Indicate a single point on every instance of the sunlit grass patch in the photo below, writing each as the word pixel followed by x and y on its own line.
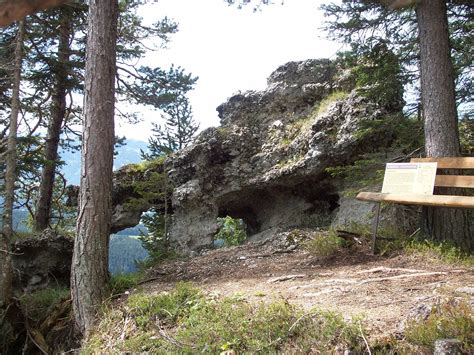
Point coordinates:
pixel 452 319
pixel 185 320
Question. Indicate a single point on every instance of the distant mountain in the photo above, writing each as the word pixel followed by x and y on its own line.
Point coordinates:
pixel 124 252
pixel 126 154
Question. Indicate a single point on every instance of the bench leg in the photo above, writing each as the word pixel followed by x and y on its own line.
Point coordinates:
pixel 375 227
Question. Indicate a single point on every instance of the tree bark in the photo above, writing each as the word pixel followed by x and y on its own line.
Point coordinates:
pixel 10 175
pixel 58 112
pixel 89 274
pixel 440 114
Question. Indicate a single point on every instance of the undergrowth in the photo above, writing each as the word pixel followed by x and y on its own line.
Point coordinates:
pixel 37 304
pixel 185 320
pixel 451 319
pixel 443 251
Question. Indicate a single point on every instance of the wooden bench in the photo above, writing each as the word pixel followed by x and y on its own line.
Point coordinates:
pixel 451 181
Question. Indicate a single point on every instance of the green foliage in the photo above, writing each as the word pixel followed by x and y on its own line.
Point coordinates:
pixel 194 323
pixel 156 240
pixel 452 319
pixel 39 303
pixel 328 100
pixel 177 132
pixel 325 244
pixel 169 307
pixel 466 135
pixel 444 251
pixel 364 25
pixel 377 74
pixel 404 135
pixel 231 230
pixel 119 283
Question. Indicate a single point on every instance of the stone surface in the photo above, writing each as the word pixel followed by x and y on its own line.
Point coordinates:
pixel 266 163
pixel 42 260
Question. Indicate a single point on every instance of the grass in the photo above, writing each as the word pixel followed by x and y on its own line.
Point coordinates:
pixel 452 319
pixel 325 244
pixel 443 251
pixel 185 320
pixel 327 101
pixel 121 282
pixel 37 304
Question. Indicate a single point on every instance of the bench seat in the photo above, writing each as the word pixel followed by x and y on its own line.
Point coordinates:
pixel 424 200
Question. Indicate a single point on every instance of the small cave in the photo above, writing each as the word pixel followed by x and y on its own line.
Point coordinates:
pixel 244 205
pixel 280 206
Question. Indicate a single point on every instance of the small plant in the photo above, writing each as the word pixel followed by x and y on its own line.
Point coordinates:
pixel 443 251
pixel 452 319
pixel 231 231
pixel 325 244
pixel 38 303
pixel 122 282
pixel 184 320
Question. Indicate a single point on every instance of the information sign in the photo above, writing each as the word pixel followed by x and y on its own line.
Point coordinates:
pixel 410 178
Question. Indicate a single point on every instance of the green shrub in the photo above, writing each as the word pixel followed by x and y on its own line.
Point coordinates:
pixel 448 320
pixel 231 231
pixel 443 251
pixel 325 244
pixel 121 282
pixel 38 303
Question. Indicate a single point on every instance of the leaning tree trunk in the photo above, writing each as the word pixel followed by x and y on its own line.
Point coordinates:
pixel 89 273
pixel 58 112
pixel 439 109
pixel 10 175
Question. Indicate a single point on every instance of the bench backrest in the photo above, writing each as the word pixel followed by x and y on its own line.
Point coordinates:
pixel 459 163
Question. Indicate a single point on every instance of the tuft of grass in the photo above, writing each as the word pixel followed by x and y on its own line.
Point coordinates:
pixel 325 244
pixel 121 282
pixel 327 101
pixel 443 251
pixel 184 320
pixel 452 319
pixel 40 302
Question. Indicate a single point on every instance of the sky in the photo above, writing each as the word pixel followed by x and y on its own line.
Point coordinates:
pixel 230 50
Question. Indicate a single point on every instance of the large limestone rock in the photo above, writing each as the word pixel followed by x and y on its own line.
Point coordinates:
pixel 267 162
pixel 42 260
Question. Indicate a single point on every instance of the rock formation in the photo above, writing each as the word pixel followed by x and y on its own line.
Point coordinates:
pixel 267 161
pixel 42 260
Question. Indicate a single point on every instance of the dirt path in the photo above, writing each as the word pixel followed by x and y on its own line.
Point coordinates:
pixel 382 290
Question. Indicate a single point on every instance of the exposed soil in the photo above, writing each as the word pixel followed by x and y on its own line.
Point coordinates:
pixel 384 290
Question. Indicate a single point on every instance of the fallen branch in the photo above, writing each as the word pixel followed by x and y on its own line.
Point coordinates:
pixel 349 236
pixel 365 340
pixel 388 269
pixel 404 276
pixel 285 278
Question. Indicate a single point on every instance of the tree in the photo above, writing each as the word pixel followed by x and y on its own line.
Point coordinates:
pixel 89 274
pixel 58 114
pixel 439 109
pixel 421 40
pixel 10 175
pixel 177 132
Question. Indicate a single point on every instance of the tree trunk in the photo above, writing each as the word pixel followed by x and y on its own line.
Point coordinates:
pixel 89 274
pixel 439 111
pixel 10 175
pixel 58 112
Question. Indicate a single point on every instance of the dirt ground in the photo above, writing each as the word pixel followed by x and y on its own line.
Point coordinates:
pixel 383 290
